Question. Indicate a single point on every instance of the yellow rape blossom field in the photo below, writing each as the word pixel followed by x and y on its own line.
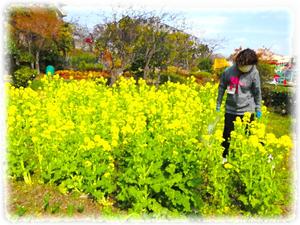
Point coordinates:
pixel 150 152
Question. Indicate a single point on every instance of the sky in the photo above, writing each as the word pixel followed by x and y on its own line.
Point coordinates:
pixel 230 27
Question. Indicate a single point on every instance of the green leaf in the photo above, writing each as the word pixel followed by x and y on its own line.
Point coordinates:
pixel 254 202
pixel 21 210
pixel 156 187
pixel 243 199
pixel 196 198
pixel 46 201
pixel 194 182
pixel 171 168
pixel 62 188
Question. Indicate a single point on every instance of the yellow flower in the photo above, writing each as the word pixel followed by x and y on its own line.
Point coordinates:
pixel 90 145
pixel 271 139
pixel 56 77
pixel 246 117
pixel 286 141
pixel 253 140
pixel 87 163
pixel 46 134
pixel 226 209
pixel 87 140
pixel 34 122
pixel 12 110
pixel 228 166
pixel 34 139
pixel 175 153
pixel 51 128
pixel 101 142
pixel 106 146
pixel 261 129
pixel 27 112
pixel 127 129
pixel 262 149
pixel 107 174
pixel 212 104
pixel 114 143
pixel 69 125
pixel 32 130
pixel 206 137
pixel 264 110
pixel 233 134
pixel 238 121
pixel 11 121
pixel 97 138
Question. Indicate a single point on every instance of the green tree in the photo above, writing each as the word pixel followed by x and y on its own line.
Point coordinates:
pixel 118 38
pixel 38 29
pixel 205 64
pixel 144 43
pixel 266 72
pixel 65 39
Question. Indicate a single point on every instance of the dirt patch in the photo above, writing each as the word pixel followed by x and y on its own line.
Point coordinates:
pixel 45 201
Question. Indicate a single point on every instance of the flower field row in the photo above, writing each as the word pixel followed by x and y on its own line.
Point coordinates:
pixel 147 150
pixel 78 75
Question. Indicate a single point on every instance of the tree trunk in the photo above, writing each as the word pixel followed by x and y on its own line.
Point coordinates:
pixel 66 59
pixel 30 53
pixel 113 74
pixel 158 79
pixel 37 61
pixel 187 64
pixel 148 59
pixel 113 77
pixel 146 70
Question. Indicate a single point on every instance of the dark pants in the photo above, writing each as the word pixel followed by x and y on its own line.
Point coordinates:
pixel 228 127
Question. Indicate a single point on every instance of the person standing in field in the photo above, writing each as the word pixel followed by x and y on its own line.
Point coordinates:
pixel 242 83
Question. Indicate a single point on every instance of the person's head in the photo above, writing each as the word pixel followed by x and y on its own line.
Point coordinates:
pixel 246 59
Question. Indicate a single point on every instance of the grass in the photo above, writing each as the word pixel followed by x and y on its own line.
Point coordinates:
pixel 280 124
pixel 279 88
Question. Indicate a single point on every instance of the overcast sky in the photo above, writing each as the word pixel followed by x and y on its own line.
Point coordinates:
pixel 252 27
pixel 257 23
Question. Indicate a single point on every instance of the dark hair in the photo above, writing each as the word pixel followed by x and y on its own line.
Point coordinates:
pixel 246 57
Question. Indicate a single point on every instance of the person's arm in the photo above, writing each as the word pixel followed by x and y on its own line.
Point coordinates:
pixel 222 88
pixel 257 92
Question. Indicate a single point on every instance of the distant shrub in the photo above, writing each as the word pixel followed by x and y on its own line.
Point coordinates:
pixel 281 99
pixel 266 72
pixel 36 84
pixel 205 64
pixel 219 72
pixel 83 66
pixel 201 74
pixel 84 61
pixel 173 77
pixel 21 76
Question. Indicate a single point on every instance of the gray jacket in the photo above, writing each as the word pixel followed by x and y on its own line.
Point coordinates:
pixel 244 88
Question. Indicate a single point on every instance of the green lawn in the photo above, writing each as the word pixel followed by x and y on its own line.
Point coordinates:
pixel 279 124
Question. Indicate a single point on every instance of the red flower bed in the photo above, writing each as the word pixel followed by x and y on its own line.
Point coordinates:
pixel 78 75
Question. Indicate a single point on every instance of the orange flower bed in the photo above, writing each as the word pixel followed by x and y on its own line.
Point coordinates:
pixel 78 75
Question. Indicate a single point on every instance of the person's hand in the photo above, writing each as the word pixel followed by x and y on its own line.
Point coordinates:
pixel 218 108
pixel 258 115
